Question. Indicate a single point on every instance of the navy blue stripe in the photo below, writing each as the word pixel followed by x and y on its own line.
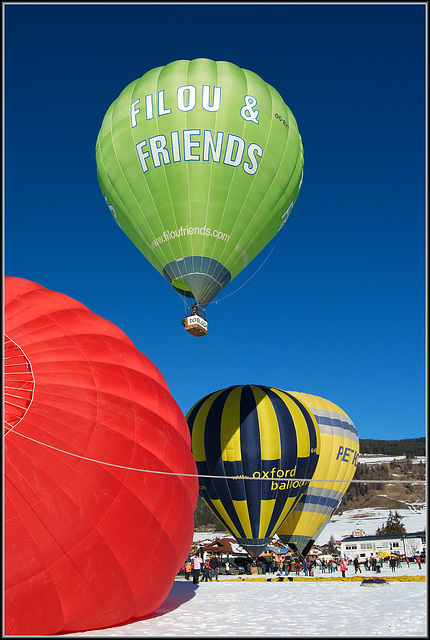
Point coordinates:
pixel 222 488
pixel 320 500
pixel 286 460
pixel 213 489
pixel 310 423
pixel 338 423
pixel 250 445
pixel 305 466
pixel 212 441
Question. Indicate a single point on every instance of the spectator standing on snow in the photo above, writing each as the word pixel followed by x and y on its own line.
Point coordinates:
pixel 342 568
pixel 197 563
pixel 393 563
pixel 248 565
pixel 357 565
pixel 206 573
pixel 188 567
pixel 214 568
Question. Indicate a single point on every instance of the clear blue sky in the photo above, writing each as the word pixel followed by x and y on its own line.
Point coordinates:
pixel 335 305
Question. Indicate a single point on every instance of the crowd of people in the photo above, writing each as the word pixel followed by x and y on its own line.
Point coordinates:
pixel 209 570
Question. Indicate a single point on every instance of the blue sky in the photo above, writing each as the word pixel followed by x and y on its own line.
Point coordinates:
pixel 335 305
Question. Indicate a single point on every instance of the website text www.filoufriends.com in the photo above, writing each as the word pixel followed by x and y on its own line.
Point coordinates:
pixel 188 231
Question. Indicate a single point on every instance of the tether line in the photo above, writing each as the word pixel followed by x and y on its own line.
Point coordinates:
pixel 195 475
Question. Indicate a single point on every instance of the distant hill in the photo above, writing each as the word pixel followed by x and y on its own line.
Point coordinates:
pixel 386 494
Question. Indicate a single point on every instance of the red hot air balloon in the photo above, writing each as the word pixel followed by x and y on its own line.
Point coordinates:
pixel 91 540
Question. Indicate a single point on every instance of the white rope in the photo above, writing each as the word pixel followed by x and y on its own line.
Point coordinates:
pixel 194 475
pixel 242 285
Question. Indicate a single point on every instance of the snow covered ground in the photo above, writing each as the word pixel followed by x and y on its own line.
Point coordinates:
pixel 245 609
pixel 257 607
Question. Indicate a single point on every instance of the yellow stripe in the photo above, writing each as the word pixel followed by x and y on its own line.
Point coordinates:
pixel 241 508
pixel 302 523
pixel 230 427
pixel 308 521
pixel 315 402
pixel 285 514
pixel 198 431
pixel 266 512
pixel 217 504
pixel 302 431
pixel 269 429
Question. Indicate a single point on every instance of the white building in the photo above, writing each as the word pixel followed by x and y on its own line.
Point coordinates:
pixel 402 544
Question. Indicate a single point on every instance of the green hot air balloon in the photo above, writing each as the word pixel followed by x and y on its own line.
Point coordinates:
pixel 200 163
pixel 255 447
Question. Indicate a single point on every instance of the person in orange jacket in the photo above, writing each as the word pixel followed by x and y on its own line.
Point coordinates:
pixel 342 568
pixel 188 567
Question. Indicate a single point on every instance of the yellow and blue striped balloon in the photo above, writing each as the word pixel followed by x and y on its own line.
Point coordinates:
pixel 337 461
pixel 256 448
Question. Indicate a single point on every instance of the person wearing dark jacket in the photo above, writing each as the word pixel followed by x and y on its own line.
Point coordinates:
pixel 205 572
pixel 214 568
pixel 356 563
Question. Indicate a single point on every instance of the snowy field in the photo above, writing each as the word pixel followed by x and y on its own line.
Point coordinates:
pixel 255 607
pixel 286 609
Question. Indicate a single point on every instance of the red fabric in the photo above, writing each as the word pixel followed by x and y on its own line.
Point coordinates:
pixel 87 545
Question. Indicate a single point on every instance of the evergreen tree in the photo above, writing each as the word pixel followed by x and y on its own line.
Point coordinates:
pixel 331 546
pixel 392 526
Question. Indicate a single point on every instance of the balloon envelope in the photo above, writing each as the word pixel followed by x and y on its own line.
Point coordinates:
pixel 89 542
pixel 200 163
pixel 337 461
pixel 264 434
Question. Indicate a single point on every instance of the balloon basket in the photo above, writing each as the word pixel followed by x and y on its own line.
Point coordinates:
pixel 196 326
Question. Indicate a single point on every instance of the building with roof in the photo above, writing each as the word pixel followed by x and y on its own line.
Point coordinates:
pixel 401 544
pixel 225 548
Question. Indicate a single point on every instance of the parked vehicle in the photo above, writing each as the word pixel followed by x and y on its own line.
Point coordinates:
pixel 233 569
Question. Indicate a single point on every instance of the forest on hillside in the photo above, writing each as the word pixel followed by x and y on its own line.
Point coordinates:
pixel 410 447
